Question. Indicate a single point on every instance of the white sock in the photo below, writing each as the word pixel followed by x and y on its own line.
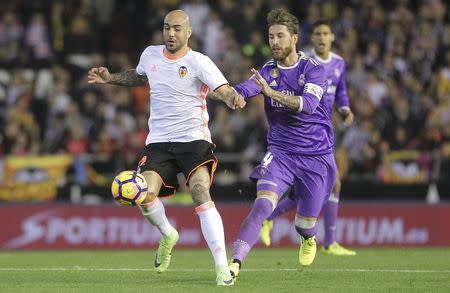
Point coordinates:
pixel 155 213
pixel 212 229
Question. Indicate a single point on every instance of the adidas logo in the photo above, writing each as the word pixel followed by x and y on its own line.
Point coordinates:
pixel 273 83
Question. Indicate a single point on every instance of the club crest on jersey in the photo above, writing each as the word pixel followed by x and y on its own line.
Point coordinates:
pixel 274 72
pixel 182 71
pixel 301 79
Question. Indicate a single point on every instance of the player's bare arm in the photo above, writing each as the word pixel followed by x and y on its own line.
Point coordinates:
pixel 293 102
pixel 126 78
pixel 229 96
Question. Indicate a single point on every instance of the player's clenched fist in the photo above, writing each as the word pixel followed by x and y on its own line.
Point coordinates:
pixel 238 101
pixel 99 75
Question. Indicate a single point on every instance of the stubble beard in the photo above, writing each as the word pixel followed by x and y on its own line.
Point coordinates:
pixel 283 54
pixel 172 49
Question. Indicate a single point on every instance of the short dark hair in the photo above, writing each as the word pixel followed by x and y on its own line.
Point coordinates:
pixel 322 22
pixel 281 16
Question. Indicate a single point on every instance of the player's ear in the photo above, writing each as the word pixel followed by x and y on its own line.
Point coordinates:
pixel 332 37
pixel 189 31
pixel 295 37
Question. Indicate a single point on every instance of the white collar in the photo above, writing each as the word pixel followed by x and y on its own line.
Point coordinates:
pixel 328 60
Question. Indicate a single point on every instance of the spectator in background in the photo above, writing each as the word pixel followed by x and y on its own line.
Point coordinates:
pixel 37 42
pixel 11 34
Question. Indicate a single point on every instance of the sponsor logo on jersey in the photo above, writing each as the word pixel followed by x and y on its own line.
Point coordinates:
pixel 182 71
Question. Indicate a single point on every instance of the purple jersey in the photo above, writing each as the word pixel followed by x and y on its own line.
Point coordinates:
pixel 307 132
pixel 335 72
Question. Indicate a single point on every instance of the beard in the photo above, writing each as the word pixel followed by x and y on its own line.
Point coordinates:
pixel 282 53
pixel 172 47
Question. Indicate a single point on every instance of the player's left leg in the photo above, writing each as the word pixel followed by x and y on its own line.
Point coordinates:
pixel 210 222
pixel 330 212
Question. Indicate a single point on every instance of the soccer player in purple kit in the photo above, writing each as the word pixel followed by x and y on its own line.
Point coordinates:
pixel 335 71
pixel 300 139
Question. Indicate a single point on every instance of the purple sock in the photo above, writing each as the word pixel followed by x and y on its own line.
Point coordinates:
pixel 283 206
pixel 250 227
pixel 330 212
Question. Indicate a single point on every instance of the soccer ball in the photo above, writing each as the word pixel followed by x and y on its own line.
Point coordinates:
pixel 129 188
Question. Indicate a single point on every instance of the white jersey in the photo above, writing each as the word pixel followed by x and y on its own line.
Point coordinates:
pixel 178 89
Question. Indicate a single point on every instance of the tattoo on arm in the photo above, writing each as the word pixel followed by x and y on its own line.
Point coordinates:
pixel 128 78
pixel 212 95
pixel 226 94
pixel 293 102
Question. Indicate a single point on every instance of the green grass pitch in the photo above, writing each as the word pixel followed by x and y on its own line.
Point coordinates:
pixel 265 270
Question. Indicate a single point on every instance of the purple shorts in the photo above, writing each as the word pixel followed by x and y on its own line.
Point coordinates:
pixel 312 178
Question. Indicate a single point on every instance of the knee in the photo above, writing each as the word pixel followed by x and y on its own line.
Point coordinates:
pixel 150 197
pixel 199 192
pixel 270 196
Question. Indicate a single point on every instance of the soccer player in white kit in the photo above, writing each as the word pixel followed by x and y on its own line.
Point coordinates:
pixel 179 139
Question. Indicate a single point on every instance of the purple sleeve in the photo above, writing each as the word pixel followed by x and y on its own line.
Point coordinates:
pixel 248 88
pixel 341 91
pixel 315 86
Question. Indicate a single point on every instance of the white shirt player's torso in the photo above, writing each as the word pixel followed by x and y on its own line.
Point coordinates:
pixel 178 89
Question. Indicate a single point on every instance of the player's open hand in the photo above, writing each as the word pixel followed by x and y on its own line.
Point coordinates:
pixel 265 88
pixel 99 75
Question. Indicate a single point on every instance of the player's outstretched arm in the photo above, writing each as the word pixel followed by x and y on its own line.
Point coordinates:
pixel 129 77
pixel 229 96
pixel 293 102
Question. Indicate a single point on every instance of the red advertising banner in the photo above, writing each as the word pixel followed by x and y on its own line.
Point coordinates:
pixel 51 226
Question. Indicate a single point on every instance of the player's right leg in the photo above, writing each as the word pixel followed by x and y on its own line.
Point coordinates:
pixel 284 205
pixel 273 178
pixel 248 234
pixel 160 174
pixel 153 210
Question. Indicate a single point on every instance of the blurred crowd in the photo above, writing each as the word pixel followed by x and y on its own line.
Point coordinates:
pixel 398 77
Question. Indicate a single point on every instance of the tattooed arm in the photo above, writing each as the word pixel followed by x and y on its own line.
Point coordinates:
pixel 128 78
pixel 125 78
pixel 228 95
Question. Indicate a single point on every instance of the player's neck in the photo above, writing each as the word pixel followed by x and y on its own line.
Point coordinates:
pixel 290 60
pixel 178 54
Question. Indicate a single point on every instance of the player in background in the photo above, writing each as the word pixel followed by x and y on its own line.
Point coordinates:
pixel 179 139
pixel 300 139
pixel 335 71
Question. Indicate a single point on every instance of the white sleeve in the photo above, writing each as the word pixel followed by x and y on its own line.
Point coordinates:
pixel 140 67
pixel 209 74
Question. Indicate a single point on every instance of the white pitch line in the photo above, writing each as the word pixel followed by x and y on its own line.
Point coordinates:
pixel 77 268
